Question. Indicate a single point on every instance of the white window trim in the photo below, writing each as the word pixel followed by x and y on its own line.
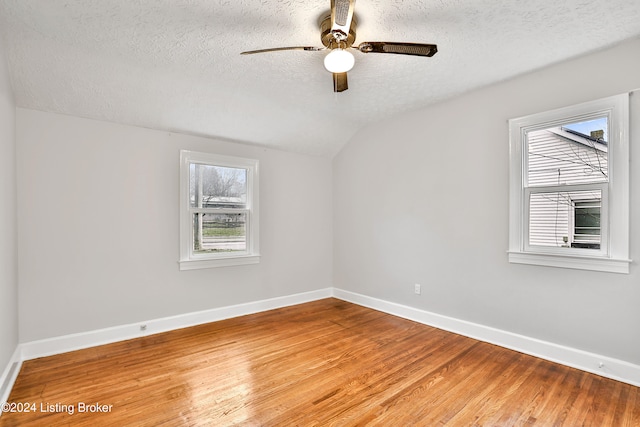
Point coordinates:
pixel 190 261
pixel 614 256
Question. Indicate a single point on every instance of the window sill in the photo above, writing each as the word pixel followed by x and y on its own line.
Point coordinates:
pixel 196 264
pixel 609 265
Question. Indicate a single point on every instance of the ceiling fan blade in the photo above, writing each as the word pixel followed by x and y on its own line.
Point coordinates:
pixel 275 49
pixel 340 82
pixel 342 15
pixel 417 49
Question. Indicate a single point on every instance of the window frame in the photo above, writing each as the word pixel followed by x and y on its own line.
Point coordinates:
pixel 190 260
pixel 613 255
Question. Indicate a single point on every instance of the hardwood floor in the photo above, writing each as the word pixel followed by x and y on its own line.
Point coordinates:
pixel 317 364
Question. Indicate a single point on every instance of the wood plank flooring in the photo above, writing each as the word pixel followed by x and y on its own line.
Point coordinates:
pixel 317 364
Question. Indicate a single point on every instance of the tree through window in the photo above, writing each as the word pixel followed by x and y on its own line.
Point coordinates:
pixel 219 195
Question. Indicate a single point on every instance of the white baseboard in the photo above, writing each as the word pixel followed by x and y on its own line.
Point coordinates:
pixel 63 344
pixel 590 362
pixel 9 375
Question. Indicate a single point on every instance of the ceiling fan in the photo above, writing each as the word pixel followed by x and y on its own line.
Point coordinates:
pixel 338 33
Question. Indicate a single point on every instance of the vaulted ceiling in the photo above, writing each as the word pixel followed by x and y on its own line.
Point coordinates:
pixel 176 64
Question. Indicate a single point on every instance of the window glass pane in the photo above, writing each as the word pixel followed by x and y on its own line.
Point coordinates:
pixel 565 219
pixel 219 232
pixel 217 186
pixel 586 224
pixel 575 153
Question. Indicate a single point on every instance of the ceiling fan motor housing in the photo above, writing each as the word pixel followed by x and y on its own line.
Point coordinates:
pixel 329 38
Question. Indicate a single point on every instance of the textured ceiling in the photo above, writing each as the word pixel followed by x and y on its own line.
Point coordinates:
pixel 175 64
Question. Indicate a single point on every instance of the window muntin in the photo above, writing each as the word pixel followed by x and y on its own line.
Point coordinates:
pixel 219 211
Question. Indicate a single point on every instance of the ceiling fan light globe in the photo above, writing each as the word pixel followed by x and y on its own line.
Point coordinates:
pixel 339 61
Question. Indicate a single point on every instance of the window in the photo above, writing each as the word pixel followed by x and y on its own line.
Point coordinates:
pixel 569 187
pixel 218 210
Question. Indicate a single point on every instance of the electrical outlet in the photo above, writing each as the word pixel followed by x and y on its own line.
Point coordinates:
pixel 143 327
pixel 417 289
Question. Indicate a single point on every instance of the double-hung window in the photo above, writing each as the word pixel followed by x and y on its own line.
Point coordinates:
pixel 218 210
pixel 569 187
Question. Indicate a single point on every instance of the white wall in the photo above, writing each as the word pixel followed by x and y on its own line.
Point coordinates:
pixel 423 198
pixel 8 221
pixel 98 209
